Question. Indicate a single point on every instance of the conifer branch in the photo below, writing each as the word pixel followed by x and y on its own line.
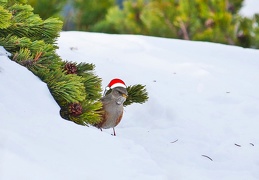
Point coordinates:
pixel 136 94
pixel 75 87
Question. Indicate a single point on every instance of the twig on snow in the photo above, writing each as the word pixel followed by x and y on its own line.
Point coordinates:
pixel 207 157
pixel 174 141
pixel 238 145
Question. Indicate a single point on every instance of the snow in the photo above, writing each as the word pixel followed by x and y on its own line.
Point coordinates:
pixel 3 52
pixel 201 121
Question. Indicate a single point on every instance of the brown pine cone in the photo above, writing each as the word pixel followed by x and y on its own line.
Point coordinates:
pixel 70 68
pixel 75 109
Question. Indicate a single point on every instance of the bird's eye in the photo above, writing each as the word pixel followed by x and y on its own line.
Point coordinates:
pixel 117 92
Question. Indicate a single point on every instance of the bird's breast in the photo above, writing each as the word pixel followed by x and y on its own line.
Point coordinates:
pixel 113 115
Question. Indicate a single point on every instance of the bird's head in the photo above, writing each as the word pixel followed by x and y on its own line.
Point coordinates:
pixel 120 94
pixel 120 91
pixel 117 89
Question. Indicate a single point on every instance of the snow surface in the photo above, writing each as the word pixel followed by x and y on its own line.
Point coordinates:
pixel 201 121
pixel 3 52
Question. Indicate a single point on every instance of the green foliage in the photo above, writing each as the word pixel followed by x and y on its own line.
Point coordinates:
pixel 91 112
pixel 234 6
pixel 16 44
pixel 67 88
pixel 248 32
pixel 136 94
pixel 200 20
pixel 160 14
pixel 255 38
pixel 244 36
pixel 47 8
pixel 191 20
pixel 92 83
pixel 26 24
pixel 90 12
pixel 5 18
pixel 126 20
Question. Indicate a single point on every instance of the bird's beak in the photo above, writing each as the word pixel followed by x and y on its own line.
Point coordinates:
pixel 125 95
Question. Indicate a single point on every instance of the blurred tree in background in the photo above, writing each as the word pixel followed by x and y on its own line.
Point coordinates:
pixel 47 8
pixel 89 12
pixel 256 31
pixel 201 20
pixel 248 32
pixel 123 20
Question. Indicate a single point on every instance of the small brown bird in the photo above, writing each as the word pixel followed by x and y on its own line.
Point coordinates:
pixel 113 104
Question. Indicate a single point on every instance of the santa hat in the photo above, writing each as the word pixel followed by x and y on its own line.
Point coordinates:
pixel 115 83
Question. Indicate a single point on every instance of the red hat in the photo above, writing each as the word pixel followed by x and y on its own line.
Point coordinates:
pixel 116 83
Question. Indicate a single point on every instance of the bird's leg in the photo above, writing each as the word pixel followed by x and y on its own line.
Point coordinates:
pixel 114 132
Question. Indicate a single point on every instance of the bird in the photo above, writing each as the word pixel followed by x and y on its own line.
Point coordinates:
pixel 115 95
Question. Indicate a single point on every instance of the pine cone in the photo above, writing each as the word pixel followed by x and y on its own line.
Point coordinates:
pixel 71 68
pixel 27 63
pixel 75 109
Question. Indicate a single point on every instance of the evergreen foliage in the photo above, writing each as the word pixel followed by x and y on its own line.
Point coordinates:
pixel 248 32
pixel 136 94
pixel 47 8
pixel 200 20
pixel 255 36
pixel 5 18
pixel 90 12
pixel 190 20
pixel 31 41
pixel 126 20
